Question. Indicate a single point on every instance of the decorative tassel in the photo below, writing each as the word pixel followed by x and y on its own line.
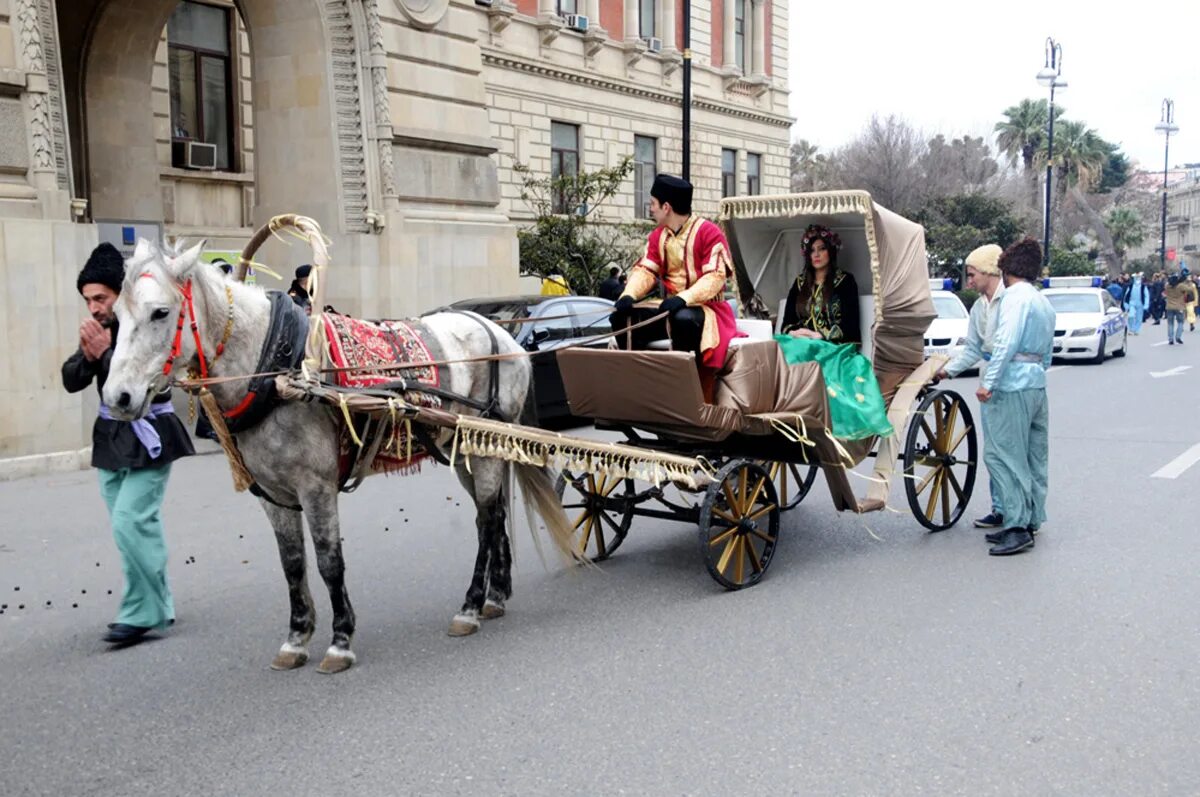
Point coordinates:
pixel 241 477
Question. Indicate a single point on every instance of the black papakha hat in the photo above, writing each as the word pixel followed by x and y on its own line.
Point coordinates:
pixel 674 190
pixel 105 267
pixel 303 271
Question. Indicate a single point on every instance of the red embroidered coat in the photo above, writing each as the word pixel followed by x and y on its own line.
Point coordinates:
pixel 694 264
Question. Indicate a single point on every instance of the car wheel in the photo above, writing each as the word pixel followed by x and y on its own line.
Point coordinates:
pixel 1099 358
pixel 1124 345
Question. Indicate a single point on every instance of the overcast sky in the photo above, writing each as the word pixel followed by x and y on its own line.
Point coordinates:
pixel 953 67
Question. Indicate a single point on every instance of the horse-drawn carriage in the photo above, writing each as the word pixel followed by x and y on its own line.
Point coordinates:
pixel 306 408
pixel 756 448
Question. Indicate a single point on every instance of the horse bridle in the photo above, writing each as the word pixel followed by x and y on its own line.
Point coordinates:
pixel 188 307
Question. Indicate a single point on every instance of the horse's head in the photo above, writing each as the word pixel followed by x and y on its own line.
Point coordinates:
pixel 153 333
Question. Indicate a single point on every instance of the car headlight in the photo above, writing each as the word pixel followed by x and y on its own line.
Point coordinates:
pixel 1083 333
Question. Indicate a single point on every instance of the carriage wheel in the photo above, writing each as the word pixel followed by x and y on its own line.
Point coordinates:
pixel 939 471
pixel 792 482
pixel 600 509
pixel 739 524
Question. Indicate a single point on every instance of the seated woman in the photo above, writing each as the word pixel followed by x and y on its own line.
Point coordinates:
pixel 823 302
pixel 821 314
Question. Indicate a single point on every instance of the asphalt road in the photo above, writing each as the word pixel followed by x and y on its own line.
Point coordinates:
pixel 910 664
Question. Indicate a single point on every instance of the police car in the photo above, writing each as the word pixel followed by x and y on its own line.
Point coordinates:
pixel 1088 321
pixel 948 333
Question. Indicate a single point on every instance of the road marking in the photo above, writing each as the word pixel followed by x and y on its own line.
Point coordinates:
pixel 1176 371
pixel 1163 343
pixel 1175 468
pixel 1055 368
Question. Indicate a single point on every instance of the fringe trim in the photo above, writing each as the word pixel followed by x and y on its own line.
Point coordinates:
pixel 484 438
pixel 241 476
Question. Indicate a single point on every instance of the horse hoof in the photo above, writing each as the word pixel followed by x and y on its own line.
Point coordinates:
pixel 289 657
pixel 463 625
pixel 492 610
pixel 336 660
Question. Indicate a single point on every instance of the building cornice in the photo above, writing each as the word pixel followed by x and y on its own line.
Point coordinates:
pixel 508 61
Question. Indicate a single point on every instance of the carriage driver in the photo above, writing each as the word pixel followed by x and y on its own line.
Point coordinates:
pixel 133 458
pixel 690 256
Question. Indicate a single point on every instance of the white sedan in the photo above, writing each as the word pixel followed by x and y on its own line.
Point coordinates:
pixel 948 332
pixel 1088 324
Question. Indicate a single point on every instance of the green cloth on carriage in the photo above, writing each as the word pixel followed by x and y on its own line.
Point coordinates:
pixel 856 406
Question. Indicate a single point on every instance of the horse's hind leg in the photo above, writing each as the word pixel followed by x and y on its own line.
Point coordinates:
pixel 499 582
pixel 484 482
pixel 321 509
pixel 289 534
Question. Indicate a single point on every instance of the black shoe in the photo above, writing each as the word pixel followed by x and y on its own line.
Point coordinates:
pixel 1179 341
pixel 1170 343
pixel 992 520
pixel 994 537
pixel 1014 541
pixel 121 634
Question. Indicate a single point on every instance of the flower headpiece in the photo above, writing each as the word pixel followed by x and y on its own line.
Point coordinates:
pixel 832 239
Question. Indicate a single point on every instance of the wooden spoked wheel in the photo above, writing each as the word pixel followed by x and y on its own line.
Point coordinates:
pixel 941 455
pixel 600 509
pixel 739 524
pixel 792 482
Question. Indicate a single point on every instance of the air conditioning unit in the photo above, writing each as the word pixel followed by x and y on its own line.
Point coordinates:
pixel 194 155
pixel 654 44
pixel 577 22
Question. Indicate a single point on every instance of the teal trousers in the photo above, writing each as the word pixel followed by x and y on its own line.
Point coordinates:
pixel 1016 450
pixel 134 499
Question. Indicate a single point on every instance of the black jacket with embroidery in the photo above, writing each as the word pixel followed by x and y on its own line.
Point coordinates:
pixel 114 444
pixel 838 324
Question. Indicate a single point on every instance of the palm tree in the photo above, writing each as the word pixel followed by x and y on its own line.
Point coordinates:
pixel 1022 134
pixel 807 166
pixel 1126 228
pixel 1079 156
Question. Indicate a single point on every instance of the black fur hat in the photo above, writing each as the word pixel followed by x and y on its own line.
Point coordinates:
pixel 106 267
pixel 675 190
pixel 1023 259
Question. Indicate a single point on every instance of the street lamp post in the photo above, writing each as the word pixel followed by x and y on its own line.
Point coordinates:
pixel 1166 126
pixel 1050 76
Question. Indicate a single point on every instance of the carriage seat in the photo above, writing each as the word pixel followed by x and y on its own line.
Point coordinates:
pixel 866 321
pixel 753 328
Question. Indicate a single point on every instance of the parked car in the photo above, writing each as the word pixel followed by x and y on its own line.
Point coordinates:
pixel 554 322
pixel 1088 323
pixel 947 334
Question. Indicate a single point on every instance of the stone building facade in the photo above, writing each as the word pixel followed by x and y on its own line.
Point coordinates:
pixel 394 123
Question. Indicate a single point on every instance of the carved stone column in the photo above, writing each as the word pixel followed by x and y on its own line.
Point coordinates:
pixel 43 174
pixel 667 29
pixel 729 57
pixel 758 35
pixel 383 132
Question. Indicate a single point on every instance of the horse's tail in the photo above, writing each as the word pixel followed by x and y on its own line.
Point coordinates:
pixel 540 496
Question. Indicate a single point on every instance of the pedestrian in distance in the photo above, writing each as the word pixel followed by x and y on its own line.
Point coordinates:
pixel 1137 304
pixel 1179 292
pixel 1012 396
pixel 611 287
pixel 299 290
pixel 133 458
pixel 555 284
pixel 983 277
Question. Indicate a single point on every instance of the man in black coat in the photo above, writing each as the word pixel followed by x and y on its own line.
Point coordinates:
pixel 133 458
pixel 611 288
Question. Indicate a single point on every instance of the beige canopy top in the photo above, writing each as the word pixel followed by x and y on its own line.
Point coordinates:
pixel 884 251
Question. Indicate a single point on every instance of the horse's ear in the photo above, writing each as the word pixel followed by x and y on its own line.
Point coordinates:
pixel 182 265
pixel 142 251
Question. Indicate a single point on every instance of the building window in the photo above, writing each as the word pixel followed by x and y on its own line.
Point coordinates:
pixel 753 173
pixel 201 80
pixel 739 35
pixel 728 172
pixel 564 157
pixel 567 7
pixel 645 167
pixel 646 27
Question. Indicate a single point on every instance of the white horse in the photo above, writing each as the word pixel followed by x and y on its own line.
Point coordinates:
pixel 293 453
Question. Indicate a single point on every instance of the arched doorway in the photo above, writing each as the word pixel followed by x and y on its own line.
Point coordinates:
pixel 303 153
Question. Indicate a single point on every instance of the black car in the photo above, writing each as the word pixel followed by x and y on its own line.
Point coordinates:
pixel 554 322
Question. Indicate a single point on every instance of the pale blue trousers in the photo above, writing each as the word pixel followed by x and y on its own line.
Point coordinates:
pixel 134 499
pixel 1016 450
